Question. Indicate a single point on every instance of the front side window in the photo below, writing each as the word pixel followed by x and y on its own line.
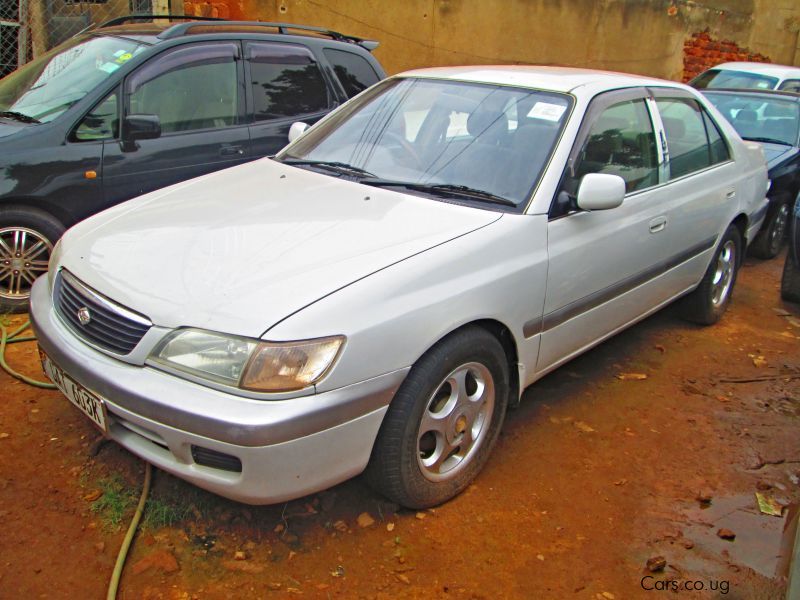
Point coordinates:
pixel 620 142
pixel 352 70
pixel 285 81
pixel 687 141
pixel 47 86
pixel 476 143
pixel 193 87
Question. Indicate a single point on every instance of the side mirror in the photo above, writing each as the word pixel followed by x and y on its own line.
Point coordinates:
pixel 600 191
pixel 141 127
pixel 297 129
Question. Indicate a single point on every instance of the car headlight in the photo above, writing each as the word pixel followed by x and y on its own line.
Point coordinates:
pixel 248 363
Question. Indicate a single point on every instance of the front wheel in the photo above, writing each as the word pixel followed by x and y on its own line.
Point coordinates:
pixel 706 304
pixel 443 422
pixel 27 236
pixel 770 238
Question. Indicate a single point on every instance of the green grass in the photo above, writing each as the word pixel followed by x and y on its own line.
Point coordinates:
pixel 117 502
pixel 160 513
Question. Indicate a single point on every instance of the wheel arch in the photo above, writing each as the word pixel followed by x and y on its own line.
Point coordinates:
pixel 39 204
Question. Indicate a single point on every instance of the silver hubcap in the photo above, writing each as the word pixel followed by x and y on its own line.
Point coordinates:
pixel 24 254
pixel 455 422
pixel 779 230
pixel 723 275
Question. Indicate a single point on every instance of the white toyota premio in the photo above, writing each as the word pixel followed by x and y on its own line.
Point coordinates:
pixel 375 296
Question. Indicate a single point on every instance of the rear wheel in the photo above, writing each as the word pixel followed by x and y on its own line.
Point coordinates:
pixel 706 304
pixel 790 281
pixel 27 236
pixel 770 238
pixel 443 422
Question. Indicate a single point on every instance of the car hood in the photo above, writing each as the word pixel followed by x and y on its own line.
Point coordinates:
pixel 239 250
pixel 9 127
pixel 776 153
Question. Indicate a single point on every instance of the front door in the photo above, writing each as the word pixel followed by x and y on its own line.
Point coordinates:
pixel 197 93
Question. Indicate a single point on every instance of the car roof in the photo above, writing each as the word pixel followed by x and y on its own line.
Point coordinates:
pixel 556 79
pixel 774 70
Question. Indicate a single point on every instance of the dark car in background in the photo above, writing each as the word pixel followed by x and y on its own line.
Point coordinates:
pixel 138 104
pixel 772 119
pixel 790 282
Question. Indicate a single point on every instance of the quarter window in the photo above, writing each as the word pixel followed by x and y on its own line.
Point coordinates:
pixel 188 89
pixel 101 123
pixel 621 142
pixel 685 125
pixel 286 81
pixel 352 70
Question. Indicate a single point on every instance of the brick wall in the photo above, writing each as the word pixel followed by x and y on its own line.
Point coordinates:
pixel 701 52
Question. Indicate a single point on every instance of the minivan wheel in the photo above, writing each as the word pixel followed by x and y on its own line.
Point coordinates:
pixel 707 303
pixel 769 241
pixel 443 422
pixel 27 237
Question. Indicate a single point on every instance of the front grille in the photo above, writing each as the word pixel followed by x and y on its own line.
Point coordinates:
pixel 216 460
pixel 110 326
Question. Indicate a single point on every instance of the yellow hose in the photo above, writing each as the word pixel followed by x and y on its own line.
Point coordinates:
pixel 126 543
pixel 11 338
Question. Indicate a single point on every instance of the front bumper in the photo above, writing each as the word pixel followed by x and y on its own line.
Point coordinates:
pixel 287 448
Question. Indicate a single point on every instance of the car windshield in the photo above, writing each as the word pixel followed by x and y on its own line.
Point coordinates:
pixel 50 84
pixel 757 117
pixel 469 142
pixel 725 78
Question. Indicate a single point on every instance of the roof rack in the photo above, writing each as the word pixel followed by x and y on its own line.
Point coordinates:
pixel 180 29
pixel 147 17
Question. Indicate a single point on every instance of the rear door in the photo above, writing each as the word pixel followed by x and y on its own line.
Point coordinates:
pixel 284 84
pixel 197 91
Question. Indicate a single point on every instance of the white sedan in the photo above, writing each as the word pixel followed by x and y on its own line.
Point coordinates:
pixel 378 294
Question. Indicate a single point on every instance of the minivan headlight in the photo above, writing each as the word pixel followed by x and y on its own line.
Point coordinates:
pixel 247 363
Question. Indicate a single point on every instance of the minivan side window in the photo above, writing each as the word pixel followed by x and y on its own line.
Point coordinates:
pixel 687 138
pixel 100 123
pixel 286 81
pixel 189 88
pixel 621 142
pixel 354 71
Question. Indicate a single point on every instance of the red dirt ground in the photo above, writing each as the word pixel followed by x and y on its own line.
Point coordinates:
pixel 592 476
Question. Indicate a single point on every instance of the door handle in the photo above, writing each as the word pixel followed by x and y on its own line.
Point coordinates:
pixel 231 151
pixel 658 224
pixel 730 194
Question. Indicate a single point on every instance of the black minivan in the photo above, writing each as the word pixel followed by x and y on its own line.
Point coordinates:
pixel 140 103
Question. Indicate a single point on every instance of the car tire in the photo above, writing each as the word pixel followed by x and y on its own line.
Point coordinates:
pixel 443 422
pixel 771 236
pixel 24 231
pixel 790 280
pixel 707 303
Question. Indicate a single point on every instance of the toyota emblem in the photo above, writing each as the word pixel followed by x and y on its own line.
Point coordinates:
pixel 84 316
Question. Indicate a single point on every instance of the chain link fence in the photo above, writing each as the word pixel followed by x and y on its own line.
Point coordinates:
pixel 28 28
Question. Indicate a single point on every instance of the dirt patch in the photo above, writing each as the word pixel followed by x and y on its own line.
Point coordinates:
pixel 593 476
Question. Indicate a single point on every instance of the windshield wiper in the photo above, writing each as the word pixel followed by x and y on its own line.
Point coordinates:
pixel 18 116
pixel 767 140
pixel 443 189
pixel 329 165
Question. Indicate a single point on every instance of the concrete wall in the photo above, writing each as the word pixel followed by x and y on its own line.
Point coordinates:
pixel 638 36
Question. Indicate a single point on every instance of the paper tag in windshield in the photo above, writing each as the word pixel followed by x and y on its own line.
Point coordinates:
pixel 547 111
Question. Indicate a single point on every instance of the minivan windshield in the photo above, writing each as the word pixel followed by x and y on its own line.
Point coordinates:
pixel 47 86
pixel 470 142
pixel 727 78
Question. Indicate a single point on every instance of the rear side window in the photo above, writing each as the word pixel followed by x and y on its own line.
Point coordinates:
pixel 621 142
pixel 719 149
pixel 687 139
pixel 286 81
pixel 353 71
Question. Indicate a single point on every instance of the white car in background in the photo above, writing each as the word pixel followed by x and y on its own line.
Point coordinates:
pixel 378 294
pixel 750 75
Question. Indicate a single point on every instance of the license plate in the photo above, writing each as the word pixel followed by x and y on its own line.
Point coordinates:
pixel 89 404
